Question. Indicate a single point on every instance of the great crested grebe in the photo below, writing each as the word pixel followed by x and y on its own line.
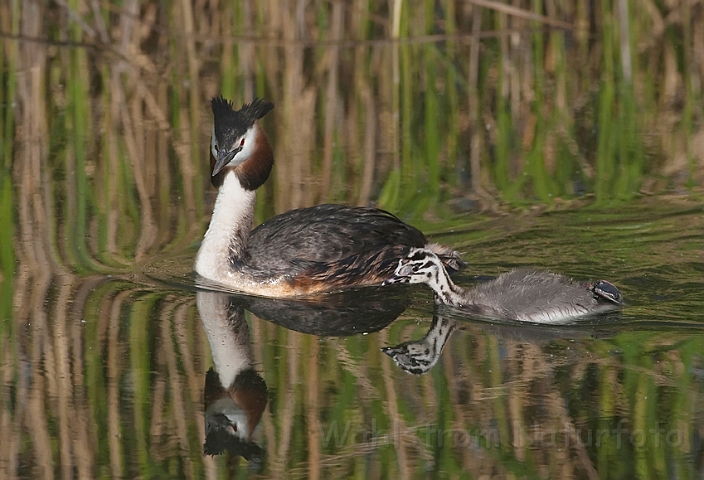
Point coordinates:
pixel 300 252
pixel 526 295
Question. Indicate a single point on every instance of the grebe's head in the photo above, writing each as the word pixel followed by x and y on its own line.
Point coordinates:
pixel 419 266
pixel 233 413
pixel 606 291
pixel 238 143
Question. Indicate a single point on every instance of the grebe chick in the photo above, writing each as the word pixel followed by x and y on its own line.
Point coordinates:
pixel 301 252
pixel 417 357
pixel 527 295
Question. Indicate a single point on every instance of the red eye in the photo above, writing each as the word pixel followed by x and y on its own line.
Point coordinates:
pixel 242 143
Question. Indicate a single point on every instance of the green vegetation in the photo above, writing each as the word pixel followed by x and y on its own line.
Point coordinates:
pixel 380 103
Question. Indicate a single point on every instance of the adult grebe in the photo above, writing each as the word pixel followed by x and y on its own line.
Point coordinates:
pixel 301 252
pixel 527 295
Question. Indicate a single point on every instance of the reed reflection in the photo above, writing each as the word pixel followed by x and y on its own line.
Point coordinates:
pixel 236 395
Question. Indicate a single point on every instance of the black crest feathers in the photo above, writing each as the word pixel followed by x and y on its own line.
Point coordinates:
pixel 233 123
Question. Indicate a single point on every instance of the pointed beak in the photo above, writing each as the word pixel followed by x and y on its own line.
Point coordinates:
pixel 224 157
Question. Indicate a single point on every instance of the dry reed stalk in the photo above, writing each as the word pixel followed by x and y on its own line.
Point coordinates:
pixel 451 368
pixel 526 84
pixel 159 426
pixel 193 72
pixel 247 53
pixel 35 243
pixel 370 140
pixel 64 386
pixel 331 98
pixel 624 40
pixel 85 442
pixel 120 117
pixel 288 397
pixel 147 233
pixel 388 159
pixel 143 170
pixel 177 405
pixel 348 144
pixel 517 12
pixel 111 166
pixel 365 102
pixel 40 355
pixel 37 425
pixel 188 356
pixel 297 132
pixel 10 421
pixel 565 421
pixel 312 408
pixel 396 420
pixel 182 148
pixel 155 104
pixel 475 126
pixel 347 362
pixel 261 333
pixel 188 359
pixel 515 399
pixel 395 33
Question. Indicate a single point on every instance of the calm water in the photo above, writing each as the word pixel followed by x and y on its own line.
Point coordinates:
pixel 122 376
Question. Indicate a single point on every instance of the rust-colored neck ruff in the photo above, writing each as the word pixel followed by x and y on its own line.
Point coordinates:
pixel 256 169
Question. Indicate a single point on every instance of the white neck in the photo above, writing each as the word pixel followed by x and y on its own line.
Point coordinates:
pixel 228 232
pixel 228 337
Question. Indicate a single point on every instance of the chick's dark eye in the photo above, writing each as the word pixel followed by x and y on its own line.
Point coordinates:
pixel 242 143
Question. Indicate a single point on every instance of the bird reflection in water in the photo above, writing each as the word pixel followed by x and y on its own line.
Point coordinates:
pixel 235 394
pixel 417 357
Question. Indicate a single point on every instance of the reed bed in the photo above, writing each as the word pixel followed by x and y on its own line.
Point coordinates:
pixel 405 104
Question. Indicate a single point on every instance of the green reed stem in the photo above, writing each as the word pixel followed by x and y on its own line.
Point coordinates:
pixel 433 122
pixel 140 368
pixel 452 102
pixel 8 94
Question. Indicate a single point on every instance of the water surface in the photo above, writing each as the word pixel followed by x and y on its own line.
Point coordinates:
pixel 121 375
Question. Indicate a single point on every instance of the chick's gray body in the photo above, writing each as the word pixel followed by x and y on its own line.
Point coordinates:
pixel 531 295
